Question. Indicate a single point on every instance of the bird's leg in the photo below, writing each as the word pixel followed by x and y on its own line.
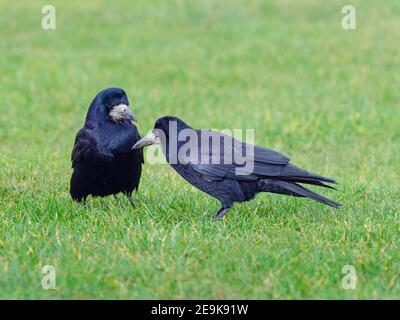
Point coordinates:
pixel 132 202
pixel 221 212
pixel 83 201
pixel 116 199
pixel 130 198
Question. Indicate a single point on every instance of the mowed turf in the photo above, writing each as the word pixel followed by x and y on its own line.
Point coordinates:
pixel 326 97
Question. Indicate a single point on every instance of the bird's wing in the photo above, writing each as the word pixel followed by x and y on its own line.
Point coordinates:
pixel 235 160
pixel 86 149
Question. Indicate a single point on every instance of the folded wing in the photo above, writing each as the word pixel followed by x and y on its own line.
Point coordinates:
pixel 240 161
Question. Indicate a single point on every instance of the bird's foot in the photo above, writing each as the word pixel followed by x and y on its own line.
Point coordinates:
pixel 220 214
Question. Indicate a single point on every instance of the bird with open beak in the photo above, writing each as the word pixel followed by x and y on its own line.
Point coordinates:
pixel 103 161
pixel 228 181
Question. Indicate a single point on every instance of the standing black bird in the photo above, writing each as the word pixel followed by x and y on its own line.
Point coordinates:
pixel 209 161
pixel 103 161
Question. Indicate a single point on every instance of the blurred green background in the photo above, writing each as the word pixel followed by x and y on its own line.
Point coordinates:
pixel 327 97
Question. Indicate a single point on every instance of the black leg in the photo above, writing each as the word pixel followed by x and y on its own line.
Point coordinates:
pixel 80 199
pixel 83 201
pixel 221 212
pixel 131 200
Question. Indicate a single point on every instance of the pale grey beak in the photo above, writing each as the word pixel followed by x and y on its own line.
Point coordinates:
pixel 147 141
pixel 128 114
pixel 122 112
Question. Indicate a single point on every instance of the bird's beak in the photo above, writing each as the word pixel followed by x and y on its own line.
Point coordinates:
pixel 121 112
pixel 147 141
pixel 128 114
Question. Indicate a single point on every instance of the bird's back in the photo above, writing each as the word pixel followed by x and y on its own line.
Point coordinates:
pixel 225 179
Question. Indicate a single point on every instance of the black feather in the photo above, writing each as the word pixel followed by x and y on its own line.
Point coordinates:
pixel 103 161
pixel 272 171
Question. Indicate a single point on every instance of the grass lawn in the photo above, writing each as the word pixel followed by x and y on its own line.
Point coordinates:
pixel 326 97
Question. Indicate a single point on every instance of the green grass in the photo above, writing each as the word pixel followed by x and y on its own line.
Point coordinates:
pixel 328 98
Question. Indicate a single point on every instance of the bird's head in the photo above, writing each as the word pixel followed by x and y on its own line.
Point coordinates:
pixel 113 104
pixel 163 128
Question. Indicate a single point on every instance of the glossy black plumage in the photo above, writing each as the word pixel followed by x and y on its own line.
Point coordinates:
pixel 272 171
pixel 103 161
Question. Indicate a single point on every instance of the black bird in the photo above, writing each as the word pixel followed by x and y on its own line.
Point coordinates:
pixel 218 172
pixel 103 160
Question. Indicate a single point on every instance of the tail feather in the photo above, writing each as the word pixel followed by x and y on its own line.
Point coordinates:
pixel 303 192
pixel 296 174
pixel 308 181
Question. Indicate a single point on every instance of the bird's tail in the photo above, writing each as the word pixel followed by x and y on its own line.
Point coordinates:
pixel 294 189
pixel 296 174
